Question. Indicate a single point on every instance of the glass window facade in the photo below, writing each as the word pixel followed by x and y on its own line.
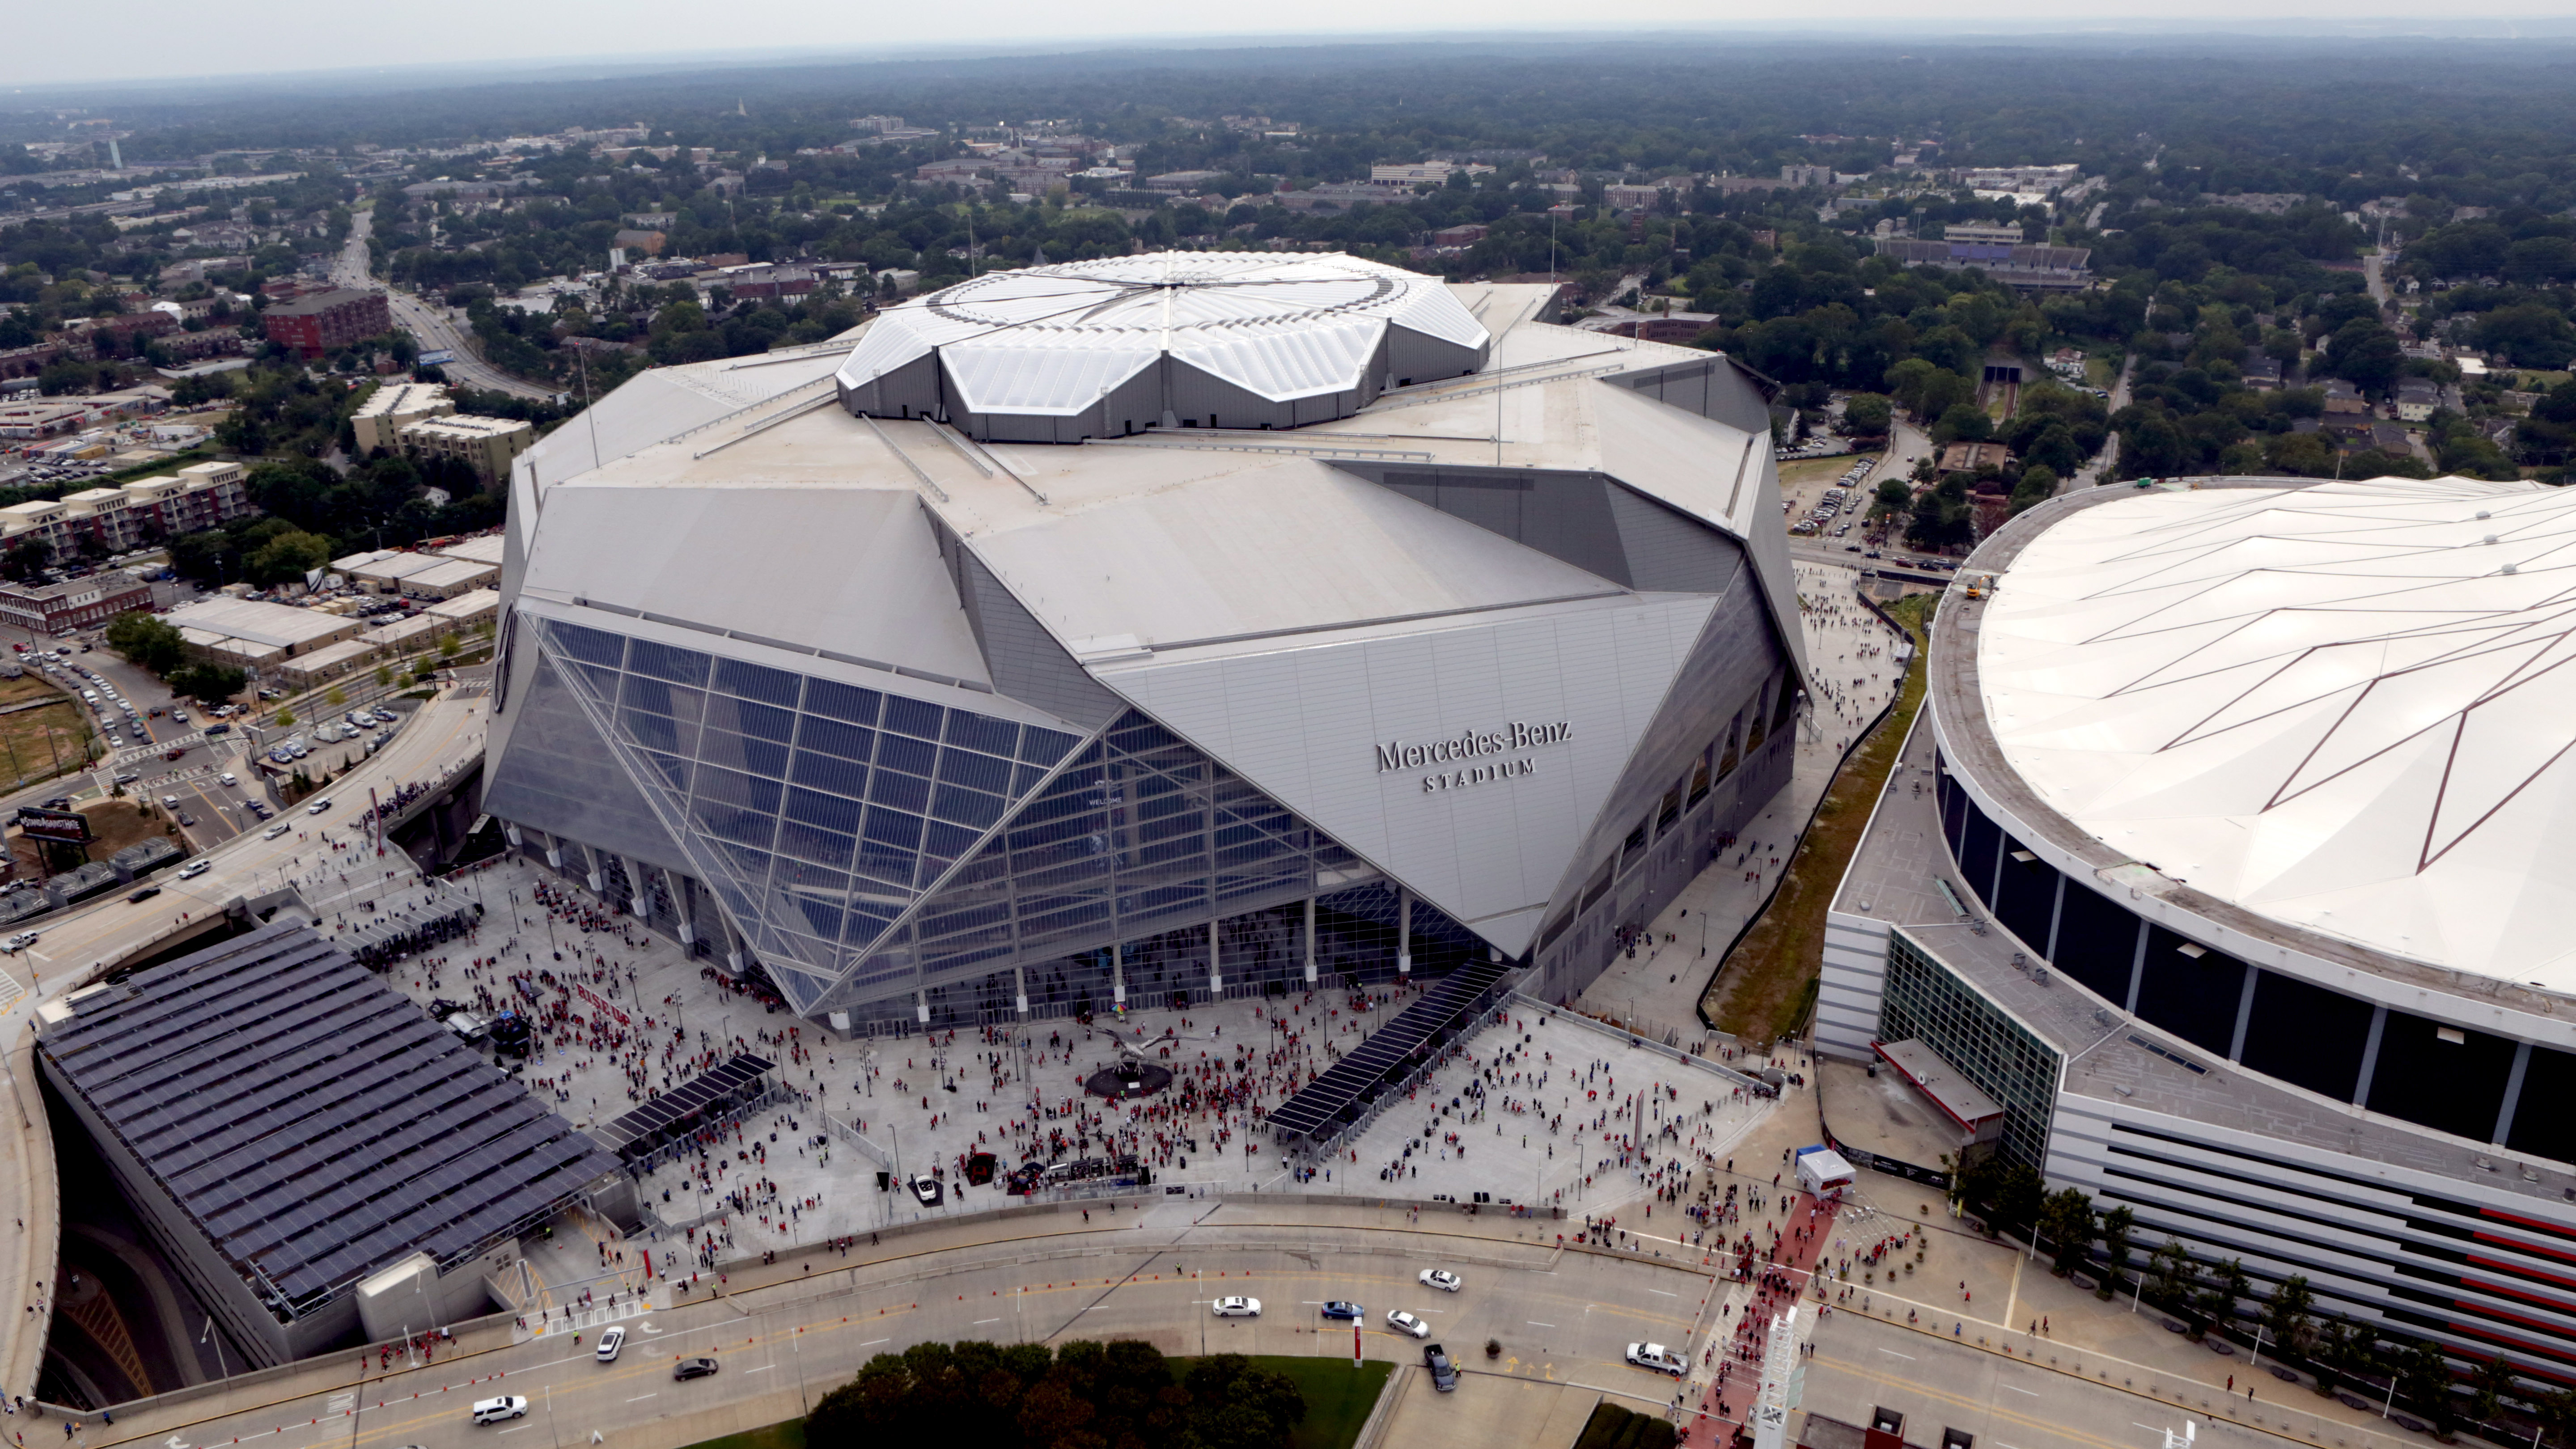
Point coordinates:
pixel 868 844
pixel 1925 1002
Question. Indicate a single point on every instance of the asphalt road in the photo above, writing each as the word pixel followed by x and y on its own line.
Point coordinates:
pixel 1563 1318
pixel 429 326
pixel 1861 1363
pixel 443 732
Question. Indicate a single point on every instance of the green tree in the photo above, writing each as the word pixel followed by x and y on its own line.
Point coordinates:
pixel 2488 1387
pixel 286 719
pixel 2287 1314
pixel 2066 1222
pixel 287 558
pixel 1962 422
pixel 1867 414
pixel 2424 1375
pixel 2366 354
pixel 2038 484
pixel 2175 1275
pixel 2116 1227
pixel 207 683
pixel 147 642
pixel 2226 1288
pixel 337 697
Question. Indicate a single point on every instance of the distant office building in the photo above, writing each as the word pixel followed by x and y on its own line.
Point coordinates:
pixel 1807 175
pixel 315 324
pixel 2000 252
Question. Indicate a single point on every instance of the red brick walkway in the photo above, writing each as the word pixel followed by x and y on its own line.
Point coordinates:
pixel 1781 1269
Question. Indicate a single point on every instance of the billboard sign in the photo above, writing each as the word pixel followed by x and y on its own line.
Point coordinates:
pixel 68 826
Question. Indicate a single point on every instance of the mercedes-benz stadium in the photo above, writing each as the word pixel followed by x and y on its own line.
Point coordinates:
pixel 1171 624
pixel 2221 861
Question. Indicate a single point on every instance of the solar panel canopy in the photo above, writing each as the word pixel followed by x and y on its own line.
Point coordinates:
pixel 309 1121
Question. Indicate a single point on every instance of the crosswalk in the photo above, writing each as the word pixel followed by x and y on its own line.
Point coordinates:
pixel 106 778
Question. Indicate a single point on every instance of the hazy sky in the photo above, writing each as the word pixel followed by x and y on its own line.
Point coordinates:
pixel 53 42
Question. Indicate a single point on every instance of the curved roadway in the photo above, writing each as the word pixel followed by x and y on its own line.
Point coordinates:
pixel 785 1334
pixel 73 946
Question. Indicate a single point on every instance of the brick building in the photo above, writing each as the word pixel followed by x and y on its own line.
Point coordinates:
pixel 76 604
pixel 315 324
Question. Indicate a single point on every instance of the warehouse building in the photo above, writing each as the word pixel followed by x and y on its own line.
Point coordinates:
pixel 278 631
pixel 1169 626
pixel 2226 879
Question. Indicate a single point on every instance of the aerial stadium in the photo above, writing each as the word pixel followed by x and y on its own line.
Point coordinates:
pixel 1153 628
pixel 2221 865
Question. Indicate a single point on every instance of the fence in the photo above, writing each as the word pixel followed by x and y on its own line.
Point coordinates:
pixel 1625 1038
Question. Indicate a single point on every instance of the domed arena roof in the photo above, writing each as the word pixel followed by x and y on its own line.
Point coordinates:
pixel 1170 339
pixel 2350 707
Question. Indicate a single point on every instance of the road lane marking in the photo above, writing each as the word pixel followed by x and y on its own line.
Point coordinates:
pixel 639 1398
pixel 1534 1323
pixel 1892 1353
pixel 1660 1292
pixel 980 1322
pixel 2034 1393
pixel 873 1342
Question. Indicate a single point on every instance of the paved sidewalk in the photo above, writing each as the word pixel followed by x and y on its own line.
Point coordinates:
pixel 1657 992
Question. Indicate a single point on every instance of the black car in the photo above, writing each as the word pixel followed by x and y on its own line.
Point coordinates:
pixel 693 1368
pixel 145 894
pixel 1444 1374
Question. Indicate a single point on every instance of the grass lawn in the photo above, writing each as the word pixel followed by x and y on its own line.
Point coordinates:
pixel 1338 1400
pixel 38 744
pixel 1765 988
pixel 1338 1396
pixel 2101 370
pixel 1810 470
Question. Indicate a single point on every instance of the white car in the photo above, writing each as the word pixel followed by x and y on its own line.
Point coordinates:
pixel 1405 1323
pixel 1442 1279
pixel 195 868
pixel 508 1406
pixel 609 1343
pixel 227 778
pixel 317 807
pixel 1657 1357
pixel 20 941
pixel 1238 1308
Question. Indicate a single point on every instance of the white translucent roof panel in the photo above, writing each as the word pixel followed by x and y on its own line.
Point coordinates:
pixel 1323 356
pixel 2349 707
pixel 1280 326
pixel 1038 377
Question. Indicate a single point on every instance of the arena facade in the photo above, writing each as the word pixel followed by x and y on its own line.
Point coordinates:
pixel 2225 869
pixel 1173 625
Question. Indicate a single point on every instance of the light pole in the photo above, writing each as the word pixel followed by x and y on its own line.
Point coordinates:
pixel 209 1337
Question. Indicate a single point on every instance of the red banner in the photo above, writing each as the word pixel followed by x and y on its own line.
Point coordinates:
pixel 593 998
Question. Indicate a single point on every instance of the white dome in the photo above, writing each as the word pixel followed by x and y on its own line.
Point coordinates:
pixel 1196 339
pixel 2349 707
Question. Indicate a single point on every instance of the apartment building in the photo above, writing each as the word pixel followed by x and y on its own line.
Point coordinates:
pixel 198 497
pixel 484 444
pixel 388 410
